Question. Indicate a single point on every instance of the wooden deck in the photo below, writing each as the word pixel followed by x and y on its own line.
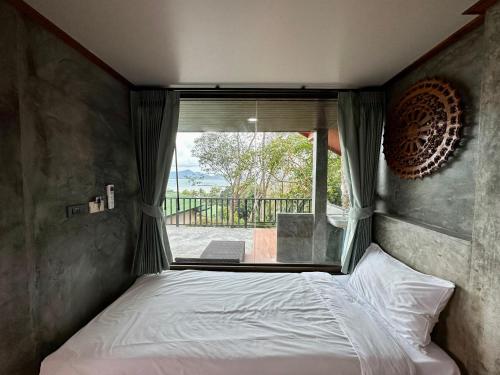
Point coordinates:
pixel 264 246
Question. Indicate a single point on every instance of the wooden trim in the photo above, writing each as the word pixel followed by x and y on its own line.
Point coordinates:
pixel 456 36
pixel 480 7
pixel 258 267
pixel 333 140
pixel 37 17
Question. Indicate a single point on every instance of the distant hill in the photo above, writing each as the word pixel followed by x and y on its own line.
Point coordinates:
pixel 188 173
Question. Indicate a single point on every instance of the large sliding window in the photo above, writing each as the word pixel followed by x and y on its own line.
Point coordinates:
pixel 241 188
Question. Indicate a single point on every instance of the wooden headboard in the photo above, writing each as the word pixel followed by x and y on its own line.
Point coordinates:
pixel 428 250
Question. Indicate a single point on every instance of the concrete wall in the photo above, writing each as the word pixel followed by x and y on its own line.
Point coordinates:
pixel 17 354
pixel 437 254
pixel 484 304
pixel 64 134
pixel 295 237
pixel 431 199
pixel 462 200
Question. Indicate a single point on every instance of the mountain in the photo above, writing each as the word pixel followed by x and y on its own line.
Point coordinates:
pixel 188 173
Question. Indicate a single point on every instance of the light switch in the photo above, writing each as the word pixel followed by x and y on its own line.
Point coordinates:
pixel 76 209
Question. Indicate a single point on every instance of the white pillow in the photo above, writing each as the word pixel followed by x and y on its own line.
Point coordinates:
pixel 408 300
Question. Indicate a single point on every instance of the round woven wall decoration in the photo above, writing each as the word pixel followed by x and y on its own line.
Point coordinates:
pixel 423 129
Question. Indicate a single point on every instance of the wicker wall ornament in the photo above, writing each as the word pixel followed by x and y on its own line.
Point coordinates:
pixel 423 129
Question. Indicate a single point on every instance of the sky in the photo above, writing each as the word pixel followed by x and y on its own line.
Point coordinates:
pixel 185 143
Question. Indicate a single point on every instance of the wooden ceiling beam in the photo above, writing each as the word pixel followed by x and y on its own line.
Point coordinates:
pixel 480 7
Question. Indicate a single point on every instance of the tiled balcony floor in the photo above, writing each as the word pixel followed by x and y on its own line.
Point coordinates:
pixel 190 241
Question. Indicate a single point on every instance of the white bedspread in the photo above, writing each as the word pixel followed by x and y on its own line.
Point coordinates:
pixel 207 323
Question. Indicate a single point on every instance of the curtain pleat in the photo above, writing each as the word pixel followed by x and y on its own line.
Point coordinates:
pixel 361 120
pixel 155 115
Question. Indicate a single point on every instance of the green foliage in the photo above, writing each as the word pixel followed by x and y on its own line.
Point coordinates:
pixel 263 165
pixel 230 155
pixel 334 179
pixel 294 171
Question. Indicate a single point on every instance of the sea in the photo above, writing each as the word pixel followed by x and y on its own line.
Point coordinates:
pixel 204 184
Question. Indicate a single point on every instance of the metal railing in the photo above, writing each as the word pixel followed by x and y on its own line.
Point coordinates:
pixel 231 212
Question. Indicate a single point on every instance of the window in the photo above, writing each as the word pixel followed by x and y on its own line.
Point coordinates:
pixel 241 188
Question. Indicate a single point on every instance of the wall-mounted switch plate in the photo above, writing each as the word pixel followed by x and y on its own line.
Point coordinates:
pixel 110 196
pixel 76 209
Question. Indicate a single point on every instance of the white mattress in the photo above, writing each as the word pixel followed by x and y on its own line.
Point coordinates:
pixel 195 322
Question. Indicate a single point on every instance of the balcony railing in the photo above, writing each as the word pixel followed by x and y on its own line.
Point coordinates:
pixel 231 212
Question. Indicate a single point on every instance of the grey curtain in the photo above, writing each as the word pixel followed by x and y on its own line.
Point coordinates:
pixel 155 115
pixel 361 120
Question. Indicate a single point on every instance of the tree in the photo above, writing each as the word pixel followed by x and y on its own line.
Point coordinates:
pixel 230 155
pixel 270 157
pixel 265 164
pixel 334 185
pixel 289 165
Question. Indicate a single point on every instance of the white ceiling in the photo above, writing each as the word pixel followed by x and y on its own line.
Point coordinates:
pixel 331 43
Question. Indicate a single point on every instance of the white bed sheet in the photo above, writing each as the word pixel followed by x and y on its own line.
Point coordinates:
pixel 432 360
pixel 195 322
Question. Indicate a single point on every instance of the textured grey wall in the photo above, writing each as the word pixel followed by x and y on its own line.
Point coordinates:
pixel 463 199
pixel 438 254
pixel 484 304
pixel 65 133
pixel 431 200
pixel 17 354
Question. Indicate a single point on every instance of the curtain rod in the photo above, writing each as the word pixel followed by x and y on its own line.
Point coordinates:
pixel 217 92
pixel 255 93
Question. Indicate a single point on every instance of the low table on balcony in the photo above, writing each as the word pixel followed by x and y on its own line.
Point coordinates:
pixel 219 252
pixel 224 251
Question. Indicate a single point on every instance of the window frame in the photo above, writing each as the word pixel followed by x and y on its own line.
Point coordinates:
pixel 259 267
pixel 188 93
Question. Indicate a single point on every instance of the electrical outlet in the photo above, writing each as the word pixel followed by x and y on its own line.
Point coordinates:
pixel 95 207
pixel 76 209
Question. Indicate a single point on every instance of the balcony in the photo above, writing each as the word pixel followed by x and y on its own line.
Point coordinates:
pixel 193 222
pixel 231 212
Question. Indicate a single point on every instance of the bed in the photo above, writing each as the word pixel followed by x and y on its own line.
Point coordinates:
pixel 201 322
